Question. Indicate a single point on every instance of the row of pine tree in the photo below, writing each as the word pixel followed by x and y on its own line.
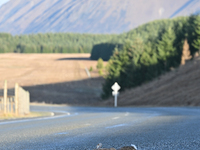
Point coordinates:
pixel 151 50
pixel 51 42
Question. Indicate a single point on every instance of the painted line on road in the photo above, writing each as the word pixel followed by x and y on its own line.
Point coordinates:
pixel 134 121
pixel 115 126
pixel 64 112
pixel 61 133
pixel 127 114
pixel 67 114
pixel 115 118
pixel 87 124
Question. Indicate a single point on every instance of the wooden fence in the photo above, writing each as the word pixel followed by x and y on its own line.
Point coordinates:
pixel 10 104
pixel 18 103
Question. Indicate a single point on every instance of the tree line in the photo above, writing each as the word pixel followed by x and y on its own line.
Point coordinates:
pixel 51 42
pixel 151 50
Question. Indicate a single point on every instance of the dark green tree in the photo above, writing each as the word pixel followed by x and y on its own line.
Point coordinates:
pixel 121 65
pixel 196 42
pixel 189 30
pixel 166 49
pixel 99 64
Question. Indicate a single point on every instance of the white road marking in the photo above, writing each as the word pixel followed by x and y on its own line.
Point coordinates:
pixel 67 114
pixel 61 133
pixel 134 121
pixel 115 118
pixel 64 112
pixel 115 126
pixel 127 114
pixel 87 124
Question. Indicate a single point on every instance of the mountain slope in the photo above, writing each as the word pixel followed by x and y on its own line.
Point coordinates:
pixel 191 6
pixel 179 87
pixel 91 16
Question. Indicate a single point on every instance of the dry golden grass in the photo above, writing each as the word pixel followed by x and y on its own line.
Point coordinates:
pixel 37 69
pixel 53 78
pixel 31 115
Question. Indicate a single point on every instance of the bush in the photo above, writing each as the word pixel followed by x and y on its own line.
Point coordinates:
pixel 100 64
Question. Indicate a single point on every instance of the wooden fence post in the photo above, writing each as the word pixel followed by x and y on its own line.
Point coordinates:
pixel 11 105
pixel 1 104
pixel 16 99
pixel 8 104
pixel 5 96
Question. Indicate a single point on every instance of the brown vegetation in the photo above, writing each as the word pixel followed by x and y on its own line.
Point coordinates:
pixel 185 53
pixel 37 69
pixel 31 115
pixel 53 78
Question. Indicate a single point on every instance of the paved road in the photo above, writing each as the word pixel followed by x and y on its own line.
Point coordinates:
pixel 79 128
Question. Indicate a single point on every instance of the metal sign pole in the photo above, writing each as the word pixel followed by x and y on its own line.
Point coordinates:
pixel 115 100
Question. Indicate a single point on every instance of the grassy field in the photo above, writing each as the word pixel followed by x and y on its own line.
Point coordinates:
pixel 37 69
pixel 53 78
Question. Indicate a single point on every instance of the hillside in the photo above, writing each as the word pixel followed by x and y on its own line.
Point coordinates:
pixel 180 87
pixel 87 16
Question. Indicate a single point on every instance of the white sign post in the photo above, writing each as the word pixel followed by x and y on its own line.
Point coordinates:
pixel 115 92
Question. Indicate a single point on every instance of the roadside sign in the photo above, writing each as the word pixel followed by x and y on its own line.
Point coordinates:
pixel 115 92
pixel 116 87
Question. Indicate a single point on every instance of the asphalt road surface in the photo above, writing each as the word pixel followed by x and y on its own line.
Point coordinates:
pixel 82 128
